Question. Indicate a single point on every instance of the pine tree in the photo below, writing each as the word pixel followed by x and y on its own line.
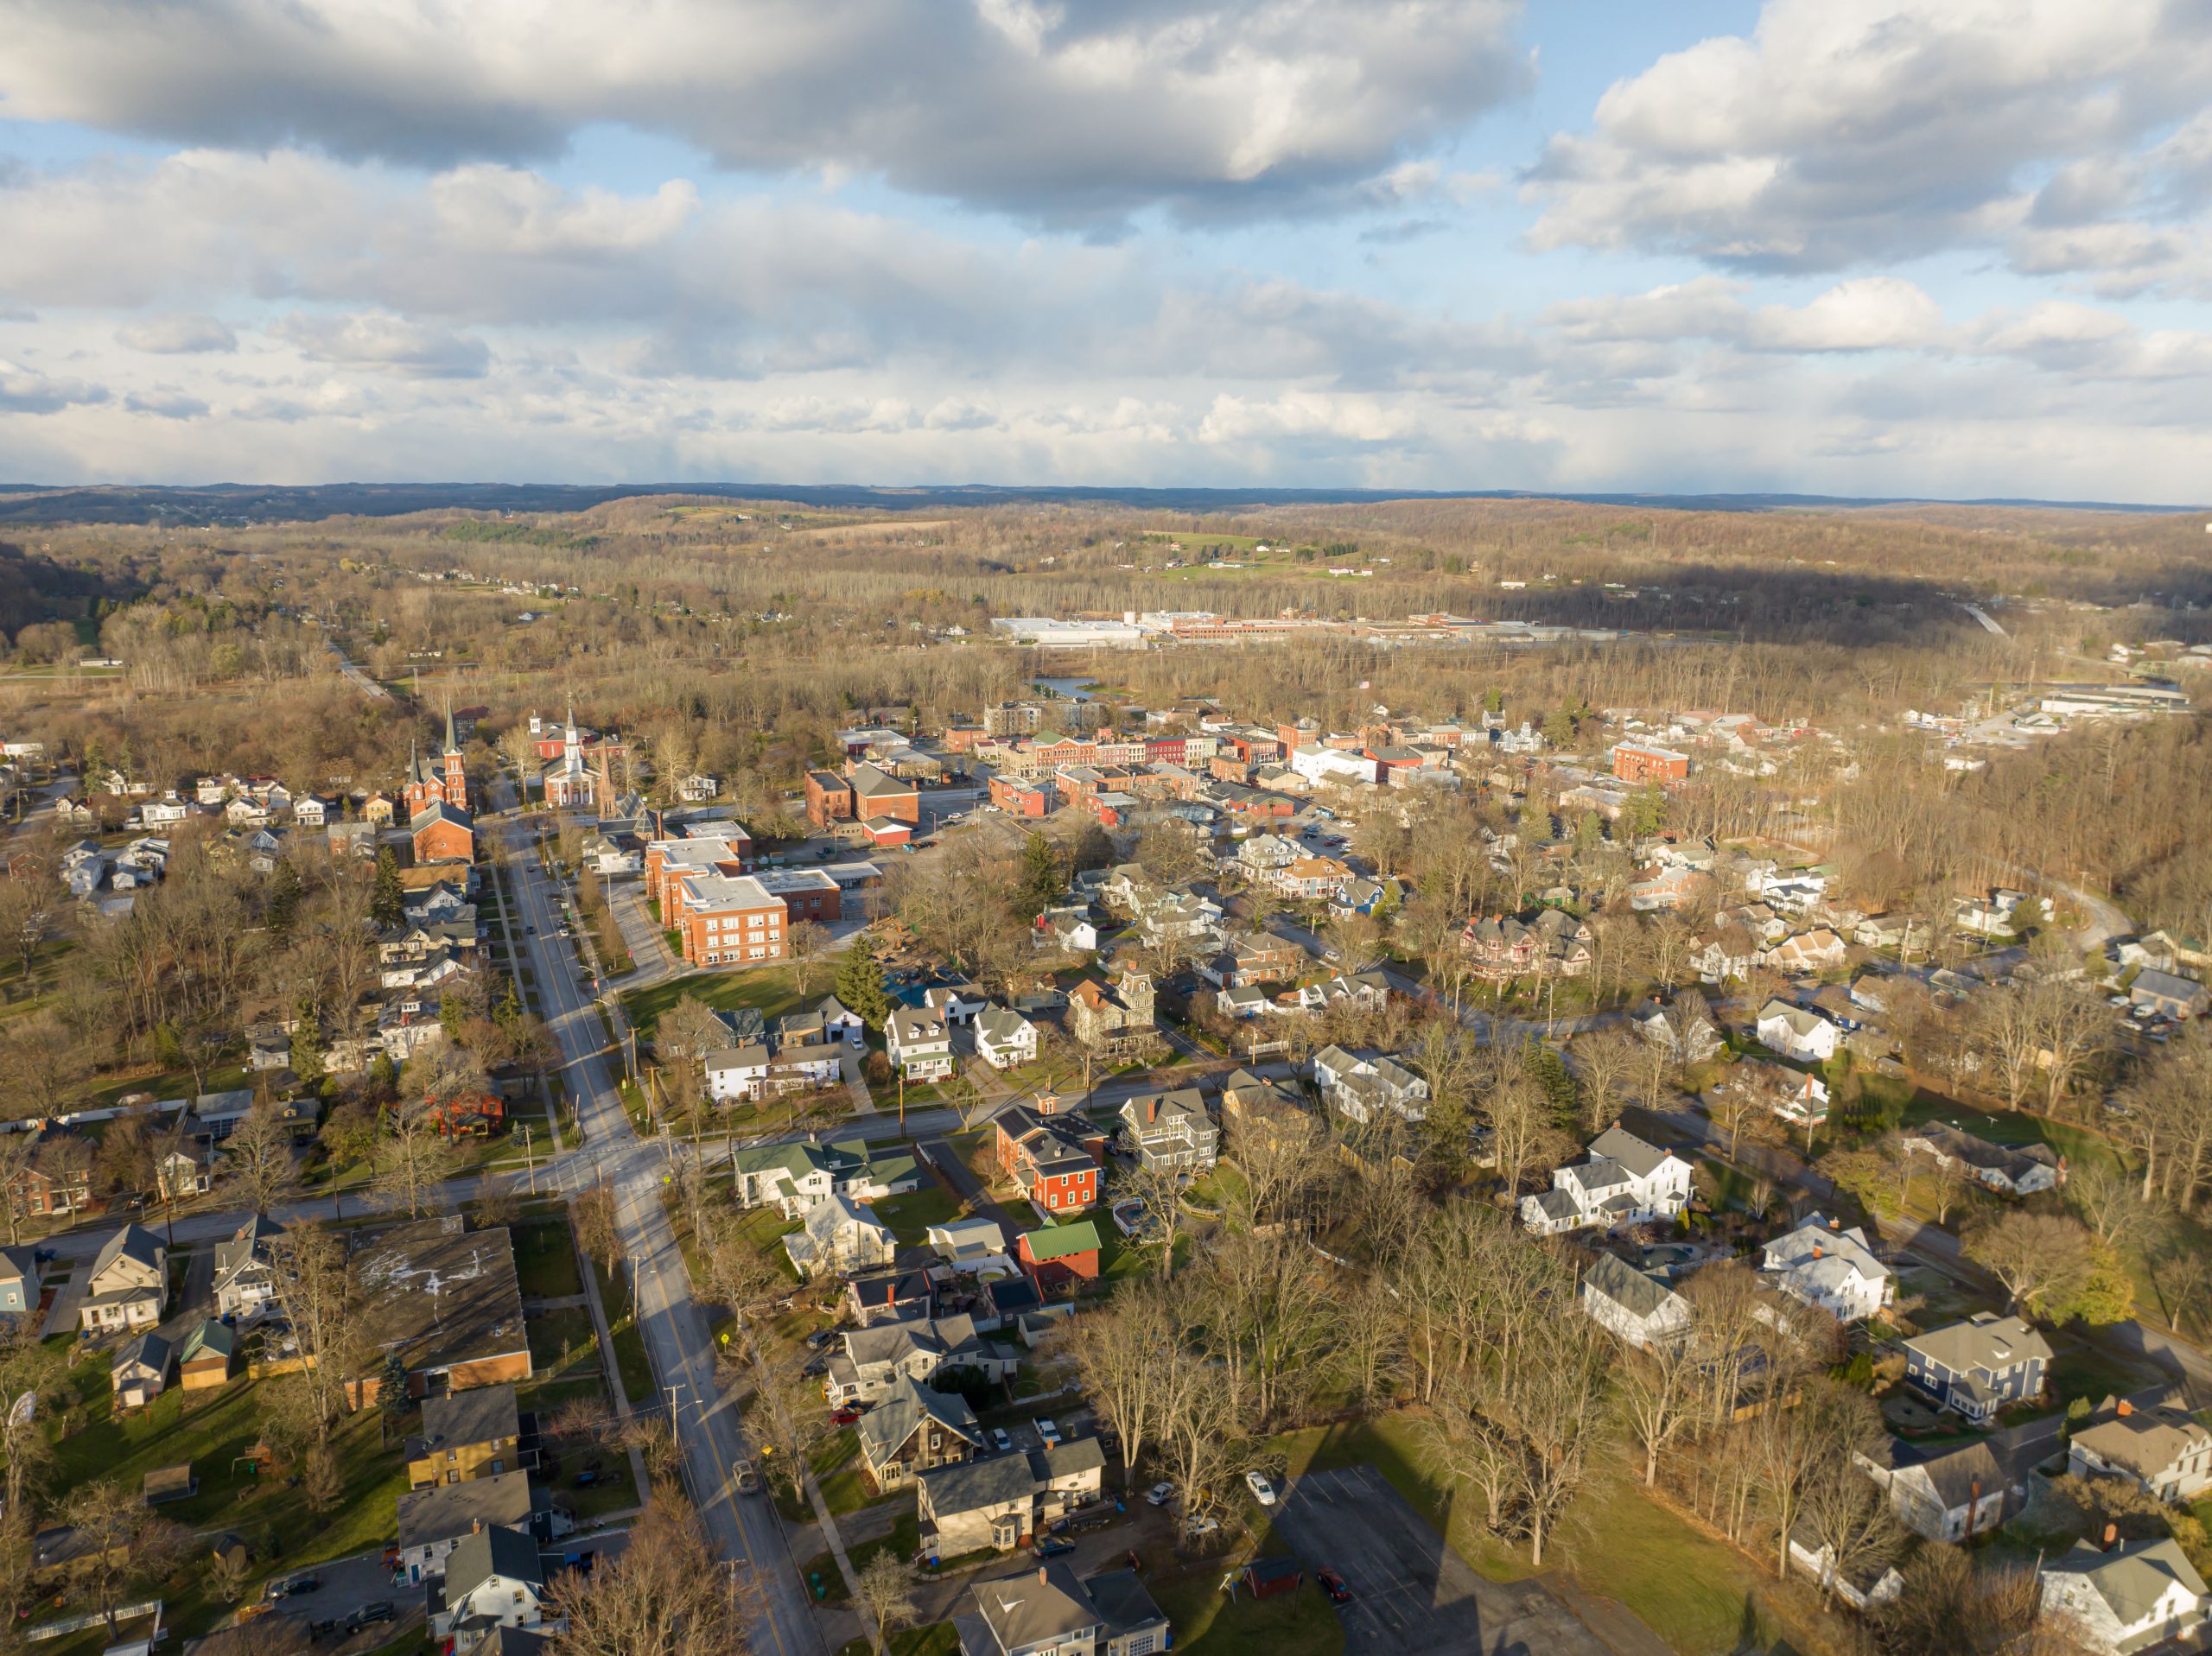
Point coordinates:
pixel 386 907
pixel 1041 879
pixel 860 985
pixel 392 1401
pixel 284 892
pixel 307 1043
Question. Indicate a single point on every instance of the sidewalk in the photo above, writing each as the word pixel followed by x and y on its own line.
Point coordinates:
pixel 623 1410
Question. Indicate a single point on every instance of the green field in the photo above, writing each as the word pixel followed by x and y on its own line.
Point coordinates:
pixel 546 1259
pixel 910 1215
pixel 769 988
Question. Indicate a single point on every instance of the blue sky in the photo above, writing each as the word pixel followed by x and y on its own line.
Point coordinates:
pixel 1945 247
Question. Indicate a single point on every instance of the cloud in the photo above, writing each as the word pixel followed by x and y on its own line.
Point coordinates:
pixel 392 343
pixel 1870 313
pixel 1054 111
pixel 166 405
pixel 25 391
pixel 1846 131
pixel 180 332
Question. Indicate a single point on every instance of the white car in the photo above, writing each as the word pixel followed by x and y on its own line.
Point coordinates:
pixel 1262 1491
pixel 1159 1494
pixel 999 1441
pixel 1048 1434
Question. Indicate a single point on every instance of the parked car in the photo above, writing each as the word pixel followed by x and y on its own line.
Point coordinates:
pixel 1262 1491
pixel 1199 1524
pixel 1159 1494
pixel 845 1416
pixel 748 1479
pixel 587 1478
pixel 1052 1547
pixel 1333 1585
pixel 323 1628
pixel 815 1368
pixel 292 1586
pixel 1048 1433
pixel 369 1614
pixel 820 1338
pixel 999 1441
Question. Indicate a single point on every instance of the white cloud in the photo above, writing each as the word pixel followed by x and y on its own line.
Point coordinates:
pixel 25 391
pixel 1058 112
pixel 392 344
pixel 165 404
pixel 178 332
pixel 1844 131
pixel 1870 313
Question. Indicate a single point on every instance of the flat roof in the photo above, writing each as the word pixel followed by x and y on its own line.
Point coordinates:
pixel 439 1295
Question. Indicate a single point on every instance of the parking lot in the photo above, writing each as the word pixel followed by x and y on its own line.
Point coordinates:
pixel 1411 1594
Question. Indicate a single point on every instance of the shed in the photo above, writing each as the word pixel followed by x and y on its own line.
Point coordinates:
pixel 170 1483
pixel 1268 1576
pixel 205 1362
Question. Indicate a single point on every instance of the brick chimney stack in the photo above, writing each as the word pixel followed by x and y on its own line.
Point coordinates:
pixel 2126 1408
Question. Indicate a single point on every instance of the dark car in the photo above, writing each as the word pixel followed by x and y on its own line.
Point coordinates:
pixel 369 1614
pixel 820 1338
pixel 1053 1548
pixel 323 1628
pixel 1333 1585
pixel 819 1366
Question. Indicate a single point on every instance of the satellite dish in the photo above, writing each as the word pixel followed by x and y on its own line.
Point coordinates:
pixel 26 1406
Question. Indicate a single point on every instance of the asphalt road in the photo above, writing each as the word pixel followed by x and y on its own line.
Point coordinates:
pixel 1411 1595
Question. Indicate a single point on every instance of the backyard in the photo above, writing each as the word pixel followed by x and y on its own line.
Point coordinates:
pixel 771 990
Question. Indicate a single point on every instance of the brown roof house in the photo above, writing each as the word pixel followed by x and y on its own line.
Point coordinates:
pixel 915 1429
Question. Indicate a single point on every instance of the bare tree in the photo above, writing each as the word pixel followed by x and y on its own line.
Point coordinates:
pixel 1160 1191
pixel 414 1156
pixel 886 1595
pixel 666 1595
pixel 804 945
pixel 1127 1356
pixel 314 1289
pixel 1658 1396
pixel 124 1541
pixel 1849 1515
pixel 2042 1260
pixel 591 1210
pixel 1603 1063
pixel 2107 1202
pixel 259 1168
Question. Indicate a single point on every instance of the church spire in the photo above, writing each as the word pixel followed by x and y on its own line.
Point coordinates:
pixel 452 742
pixel 415 763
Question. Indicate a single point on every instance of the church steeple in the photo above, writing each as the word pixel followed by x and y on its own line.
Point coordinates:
pixel 415 763
pixel 452 742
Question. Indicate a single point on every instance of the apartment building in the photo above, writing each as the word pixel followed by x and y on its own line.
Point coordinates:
pixel 727 920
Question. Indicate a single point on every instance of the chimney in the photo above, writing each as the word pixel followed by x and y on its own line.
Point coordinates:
pixel 1152 1109
pixel 1835 1224
pixel 1041 1572
pixel 476 1526
pixel 1974 1505
pixel 2112 1537
pixel 2126 1408
pixel 1816 1250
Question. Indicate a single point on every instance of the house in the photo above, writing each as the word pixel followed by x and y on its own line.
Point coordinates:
pixel 888 1297
pixel 446 1300
pixel 1806 953
pixel 1798 1096
pixel 1949 1494
pixel 2154 1443
pixel 204 1363
pixel 492 1578
pixel 1551 944
pixel 1683 1026
pixel 1113 1023
pixel 838 1237
pixel 1622 1181
pixel 1003 1501
pixel 959 1002
pixel 872 1360
pixel 1640 762
pixel 1980 1366
pixel 2126 1600
pixel 915 1429
pixel 2163 992
pixel 1005 1039
pixel 2007 1169
pixel 1171 1130
pixel 1822 1264
pixel 1059 1253
pixel 465 1435
pixel 1637 1306
pixel 917 1040
pixel 1054 1158
pixel 1725 951
pixel 433 1521
pixel 128 1283
pixel 140 1370
pixel 245 1276
pixel 442 833
pixel 974 1246
pixel 18 1281
pixel 1048 1613
pixel 1361 1089
pixel 795 1178
pixel 1797 1032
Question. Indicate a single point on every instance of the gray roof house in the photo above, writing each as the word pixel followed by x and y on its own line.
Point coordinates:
pixel 2119 1602
pixel 1825 1265
pixel 1948 1495
pixel 1001 1500
pixel 18 1281
pixel 1980 1366
pixel 1634 1305
pixel 140 1370
pixel 1048 1609
pixel 433 1521
pixel 244 1278
pixel 2153 1443
pixel 914 1429
pixel 129 1282
pixel 1172 1130
pixel 493 1578
pixel 2008 1171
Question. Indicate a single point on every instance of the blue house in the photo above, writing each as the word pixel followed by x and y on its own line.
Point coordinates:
pixel 18 1281
pixel 1978 1367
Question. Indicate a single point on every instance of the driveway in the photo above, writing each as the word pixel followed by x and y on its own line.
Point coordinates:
pixel 347 1584
pixel 1411 1594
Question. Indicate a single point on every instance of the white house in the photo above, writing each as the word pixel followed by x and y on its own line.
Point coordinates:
pixel 2155 1444
pixel 794 1178
pixel 1824 1264
pixel 1797 1032
pixel 492 1579
pixel 1360 1089
pixel 1948 1495
pixel 1622 1181
pixel 738 1072
pixel 959 1002
pixel 917 1041
pixel 1637 1306
pixel 1005 1039
pixel 2126 1600
pixel 839 1237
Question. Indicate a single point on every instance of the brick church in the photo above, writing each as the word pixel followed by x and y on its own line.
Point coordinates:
pixel 444 782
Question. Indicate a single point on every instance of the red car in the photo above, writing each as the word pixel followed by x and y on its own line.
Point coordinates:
pixel 844 1417
pixel 1333 1585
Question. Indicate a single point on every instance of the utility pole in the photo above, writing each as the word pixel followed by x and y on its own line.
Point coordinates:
pixel 527 1160
pixel 674 1434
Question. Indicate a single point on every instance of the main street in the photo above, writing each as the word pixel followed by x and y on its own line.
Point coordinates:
pixel 745 1528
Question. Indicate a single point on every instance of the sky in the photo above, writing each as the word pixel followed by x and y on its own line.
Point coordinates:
pixel 1943 247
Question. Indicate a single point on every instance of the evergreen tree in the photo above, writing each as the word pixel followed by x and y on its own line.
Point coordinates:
pixel 284 892
pixel 860 985
pixel 383 1078
pixel 307 1043
pixel 392 1401
pixel 385 905
pixel 1041 879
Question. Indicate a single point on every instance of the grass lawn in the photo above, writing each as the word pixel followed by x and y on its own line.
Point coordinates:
pixel 635 1369
pixel 771 989
pixel 1696 1593
pixel 2081 1371
pixel 1026 1216
pixel 560 1339
pixel 910 1215
pixel 941 1640
pixel 2078 1145
pixel 546 1259
pixel 1303 1623
pixel 903 1543
pixel 211 1433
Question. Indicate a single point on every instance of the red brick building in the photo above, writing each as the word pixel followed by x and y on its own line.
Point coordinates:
pixel 1020 798
pixel 878 794
pixel 444 832
pixel 668 861
pixel 807 893
pixel 469 1114
pixel 726 920
pixel 1638 762
pixel 445 781
pixel 829 799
